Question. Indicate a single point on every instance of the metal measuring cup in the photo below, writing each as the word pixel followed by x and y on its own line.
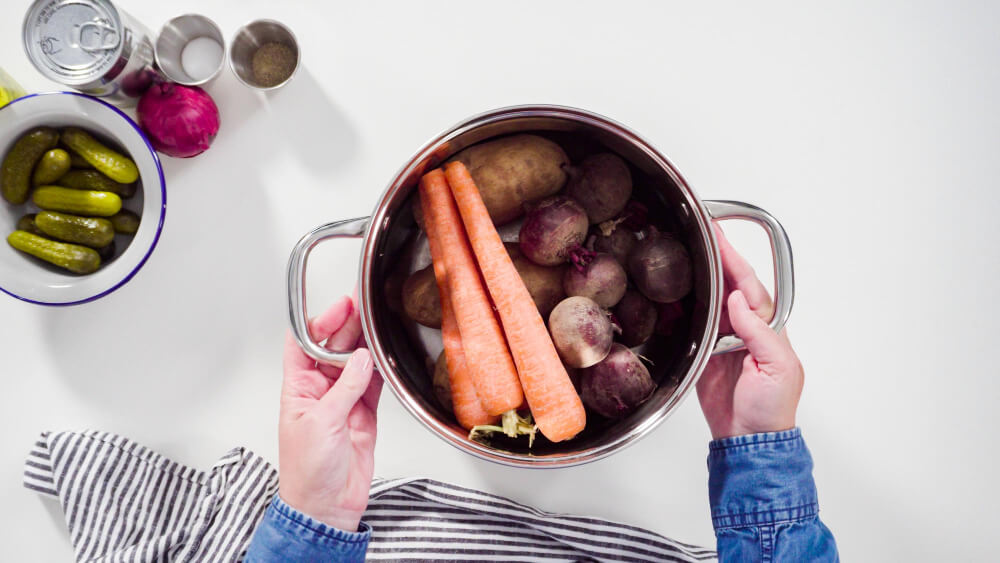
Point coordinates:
pixel 176 36
pixel 249 39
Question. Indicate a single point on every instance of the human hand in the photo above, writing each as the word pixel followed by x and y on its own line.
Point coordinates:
pixel 756 390
pixel 326 430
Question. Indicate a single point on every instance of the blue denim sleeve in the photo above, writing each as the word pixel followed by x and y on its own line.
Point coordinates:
pixel 285 534
pixel 764 504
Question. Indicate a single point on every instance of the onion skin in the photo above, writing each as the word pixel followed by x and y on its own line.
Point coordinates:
pixel 552 230
pixel 617 385
pixel 180 121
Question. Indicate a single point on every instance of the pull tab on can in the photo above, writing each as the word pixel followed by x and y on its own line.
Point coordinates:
pixel 106 36
pixel 91 45
pixel 74 42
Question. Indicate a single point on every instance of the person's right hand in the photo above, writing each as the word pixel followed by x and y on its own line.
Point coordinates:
pixel 756 390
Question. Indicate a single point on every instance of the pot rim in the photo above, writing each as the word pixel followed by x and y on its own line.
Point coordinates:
pixel 380 221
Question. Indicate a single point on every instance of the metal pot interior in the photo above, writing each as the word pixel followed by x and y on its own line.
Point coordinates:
pixel 396 247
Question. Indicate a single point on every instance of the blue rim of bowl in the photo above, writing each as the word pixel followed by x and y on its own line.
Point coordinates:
pixel 163 205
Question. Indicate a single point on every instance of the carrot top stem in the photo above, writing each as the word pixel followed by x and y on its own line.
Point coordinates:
pixel 513 425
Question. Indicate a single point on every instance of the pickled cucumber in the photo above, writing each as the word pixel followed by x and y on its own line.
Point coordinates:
pixel 125 222
pixel 27 223
pixel 77 161
pixel 78 202
pixel 112 164
pixel 94 180
pixel 73 257
pixel 51 167
pixel 15 172
pixel 88 231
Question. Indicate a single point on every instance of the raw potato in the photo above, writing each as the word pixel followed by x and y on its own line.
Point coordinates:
pixel 544 283
pixel 421 300
pixel 512 171
pixel 441 383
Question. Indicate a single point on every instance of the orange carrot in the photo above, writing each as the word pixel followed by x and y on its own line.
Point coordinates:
pixel 465 402
pixel 488 360
pixel 551 397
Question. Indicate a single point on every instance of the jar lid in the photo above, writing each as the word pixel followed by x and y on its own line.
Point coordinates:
pixel 73 41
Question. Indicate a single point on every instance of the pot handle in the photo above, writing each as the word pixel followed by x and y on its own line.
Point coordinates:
pixel 781 251
pixel 350 228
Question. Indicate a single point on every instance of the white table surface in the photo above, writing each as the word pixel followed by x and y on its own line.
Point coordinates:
pixel 870 131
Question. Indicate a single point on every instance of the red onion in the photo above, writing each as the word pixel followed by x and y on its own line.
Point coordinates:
pixel 180 121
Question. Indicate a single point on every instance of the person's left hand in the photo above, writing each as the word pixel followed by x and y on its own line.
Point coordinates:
pixel 326 432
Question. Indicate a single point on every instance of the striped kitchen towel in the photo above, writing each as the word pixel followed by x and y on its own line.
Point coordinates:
pixel 124 502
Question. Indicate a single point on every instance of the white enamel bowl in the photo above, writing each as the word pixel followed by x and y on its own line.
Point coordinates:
pixel 35 281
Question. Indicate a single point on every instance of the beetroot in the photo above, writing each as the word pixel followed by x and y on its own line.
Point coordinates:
pixel 601 278
pixel 670 318
pixel 660 267
pixel 617 385
pixel 637 317
pixel 552 230
pixel 635 217
pixel 581 331
pixel 614 239
pixel 602 184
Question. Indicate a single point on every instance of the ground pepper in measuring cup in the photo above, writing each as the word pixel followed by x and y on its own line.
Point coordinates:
pixel 272 64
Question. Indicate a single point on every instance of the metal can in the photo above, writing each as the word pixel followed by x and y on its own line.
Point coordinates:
pixel 92 46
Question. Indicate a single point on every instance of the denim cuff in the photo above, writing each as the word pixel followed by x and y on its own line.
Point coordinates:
pixel 285 534
pixel 761 479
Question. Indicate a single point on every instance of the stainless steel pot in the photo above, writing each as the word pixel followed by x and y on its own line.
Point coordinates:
pixel 392 241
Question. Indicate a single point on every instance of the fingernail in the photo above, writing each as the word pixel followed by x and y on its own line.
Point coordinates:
pixel 361 359
pixel 741 300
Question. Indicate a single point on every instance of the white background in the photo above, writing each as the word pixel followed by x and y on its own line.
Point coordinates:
pixel 870 131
